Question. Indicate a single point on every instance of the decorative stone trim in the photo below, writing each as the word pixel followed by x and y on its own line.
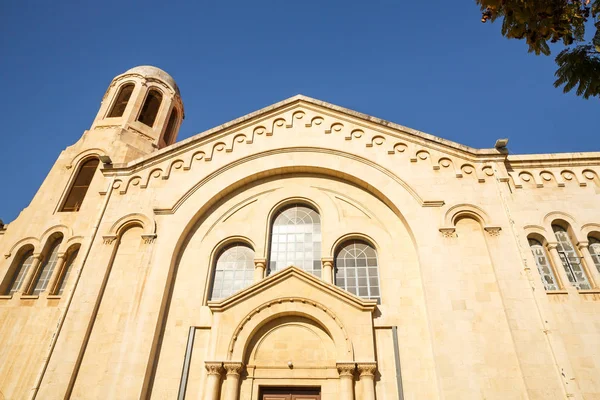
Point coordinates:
pixel 492 230
pixel 448 232
pixel 367 369
pixel 260 263
pixel 149 238
pixel 346 368
pixel 583 244
pixel 214 367
pixel 233 368
pixel 552 245
pixel 109 239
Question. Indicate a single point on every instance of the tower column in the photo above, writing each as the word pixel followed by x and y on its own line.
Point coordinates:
pixel 259 269
pixel 367 379
pixel 60 264
pixel 346 371
pixel 327 269
pixel 589 263
pixel 213 380
pixel 233 379
pixel 33 270
pixel 558 265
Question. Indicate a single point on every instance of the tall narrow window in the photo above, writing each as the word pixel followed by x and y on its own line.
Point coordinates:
pixel 356 269
pixel 21 272
pixel 296 240
pixel 150 108
pixel 170 132
pixel 234 271
pixel 80 186
pixel 120 104
pixel 543 266
pixel 570 260
pixel 67 271
pixel 594 248
pixel 47 268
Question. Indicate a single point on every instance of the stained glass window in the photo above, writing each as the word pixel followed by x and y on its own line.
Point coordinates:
pixel 47 268
pixel 594 248
pixel 296 240
pixel 570 260
pixel 234 271
pixel 356 269
pixel 543 266
pixel 21 272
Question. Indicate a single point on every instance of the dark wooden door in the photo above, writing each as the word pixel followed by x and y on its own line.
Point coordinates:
pixel 291 394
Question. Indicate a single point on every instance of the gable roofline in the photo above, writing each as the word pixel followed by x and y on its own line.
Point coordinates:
pixel 258 287
pixel 182 146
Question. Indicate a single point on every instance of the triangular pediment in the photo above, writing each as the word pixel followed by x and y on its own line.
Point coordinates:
pixel 304 284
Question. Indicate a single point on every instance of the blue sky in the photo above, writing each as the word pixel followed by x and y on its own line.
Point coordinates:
pixel 430 65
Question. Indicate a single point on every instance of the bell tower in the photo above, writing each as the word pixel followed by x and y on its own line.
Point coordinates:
pixel 142 109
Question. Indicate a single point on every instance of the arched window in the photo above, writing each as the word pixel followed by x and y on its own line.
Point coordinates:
pixel 80 186
pixel 170 131
pixel 120 103
pixel 47 267
pixel 21 272
pixel 594 248
pixel 150 108
pixel 356 269
pixel 543 266
pixel 234 270
pixel 570 260
pixel 296 239
pixel 62 283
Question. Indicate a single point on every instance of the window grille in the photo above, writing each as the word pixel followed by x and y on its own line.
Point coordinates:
pixel 21 272
pixel 543 266
pixel 234 271
pixel 570 260
pixel 47 268
pixel 356 269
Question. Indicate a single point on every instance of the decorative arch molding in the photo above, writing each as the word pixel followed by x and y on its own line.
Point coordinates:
pixel 226 242
pixel 536 232
pixel 564 219
pixel 63 229
pixel 84 155
pixel 459 211
pixel 590 228
pixel 147 224
pixel 297 168
pixel 353 236
pixel 74 240
pixel 298 306
pixel 30 240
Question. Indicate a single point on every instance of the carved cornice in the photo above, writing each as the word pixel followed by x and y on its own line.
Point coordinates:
pixel 346 369
pixel 367 369
pixel 233 368
pixel 214 367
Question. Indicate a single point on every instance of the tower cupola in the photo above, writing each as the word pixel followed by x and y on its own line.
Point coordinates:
pixel 143 108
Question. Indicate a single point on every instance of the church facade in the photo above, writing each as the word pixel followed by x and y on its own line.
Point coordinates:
pixel 303 251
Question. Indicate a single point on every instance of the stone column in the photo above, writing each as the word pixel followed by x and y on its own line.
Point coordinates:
pixel 33 270
pixel 327 269
pixel 58 269
pixel 233 370
pixel 346 371
pixel 367 379
pixel 213 380
pixel 589 263
pixel 259 269
pixel 558 266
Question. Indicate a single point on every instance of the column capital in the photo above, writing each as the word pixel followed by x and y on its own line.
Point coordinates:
pixel 552 245
pixel 583 244
pixel 346 368
pixel 61 256
pixel 260 262
pixel 327 260
pixel 367 368
pixel 233 368
pixel 37 256
pixel 214 367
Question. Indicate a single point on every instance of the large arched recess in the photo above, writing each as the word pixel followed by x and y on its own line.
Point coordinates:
pixel 195 205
